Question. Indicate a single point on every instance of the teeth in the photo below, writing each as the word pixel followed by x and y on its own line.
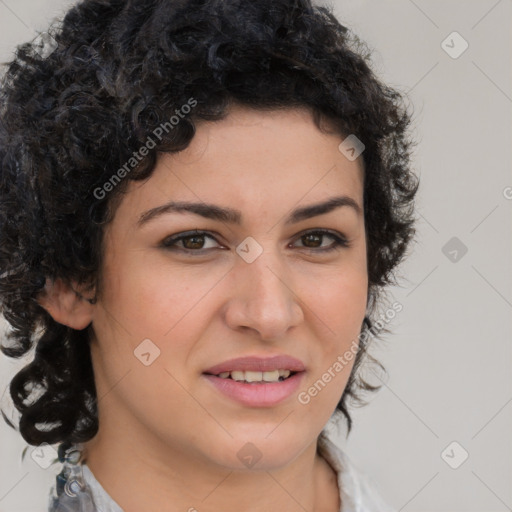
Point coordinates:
pixel 271 376
pixel 248 376
pixel 238 375
pixel 253 376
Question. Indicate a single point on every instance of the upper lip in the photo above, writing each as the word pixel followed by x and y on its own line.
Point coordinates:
pixel 258 364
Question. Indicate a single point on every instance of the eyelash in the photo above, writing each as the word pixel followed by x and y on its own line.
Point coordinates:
pixel 170 242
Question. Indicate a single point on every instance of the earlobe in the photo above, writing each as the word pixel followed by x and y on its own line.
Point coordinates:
pixel 65 304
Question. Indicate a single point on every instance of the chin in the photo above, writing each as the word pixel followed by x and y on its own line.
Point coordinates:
pixel 259 452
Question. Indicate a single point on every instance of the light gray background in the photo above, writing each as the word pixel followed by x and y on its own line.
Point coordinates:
pixel 449 358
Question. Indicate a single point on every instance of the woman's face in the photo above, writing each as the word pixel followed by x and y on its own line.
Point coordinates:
pixel 252 284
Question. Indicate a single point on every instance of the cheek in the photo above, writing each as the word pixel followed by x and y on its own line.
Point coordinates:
pixel 340 302
pixel 347 305
pixel 151 298
pixel 340 305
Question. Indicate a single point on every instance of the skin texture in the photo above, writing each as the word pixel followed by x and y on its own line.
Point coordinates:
pixel 163 427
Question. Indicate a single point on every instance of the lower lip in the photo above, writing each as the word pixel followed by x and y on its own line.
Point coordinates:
pixel 257 395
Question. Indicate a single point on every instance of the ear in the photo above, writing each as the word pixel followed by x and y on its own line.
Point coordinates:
pixel 65 304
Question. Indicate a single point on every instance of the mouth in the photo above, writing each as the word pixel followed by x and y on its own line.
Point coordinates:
pixel 248 364
pixel 256 381
pixel 255 377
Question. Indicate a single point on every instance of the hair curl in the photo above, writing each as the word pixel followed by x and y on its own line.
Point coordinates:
pixel 70 119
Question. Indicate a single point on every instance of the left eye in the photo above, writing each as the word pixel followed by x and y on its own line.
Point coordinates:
pixel 195 241
pixel 314 236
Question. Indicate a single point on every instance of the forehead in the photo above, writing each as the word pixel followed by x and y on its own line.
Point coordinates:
pixel 255 161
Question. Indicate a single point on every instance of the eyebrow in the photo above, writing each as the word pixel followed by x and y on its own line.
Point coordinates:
pixel 231 216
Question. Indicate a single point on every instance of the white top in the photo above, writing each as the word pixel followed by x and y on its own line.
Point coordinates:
pixel 357 494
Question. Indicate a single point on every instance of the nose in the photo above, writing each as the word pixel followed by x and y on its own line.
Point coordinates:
pixel 263 298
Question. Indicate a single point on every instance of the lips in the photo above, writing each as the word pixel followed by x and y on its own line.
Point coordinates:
pixel 254 393
pixel 258 364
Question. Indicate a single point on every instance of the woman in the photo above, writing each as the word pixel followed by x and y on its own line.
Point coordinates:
pixel 201 202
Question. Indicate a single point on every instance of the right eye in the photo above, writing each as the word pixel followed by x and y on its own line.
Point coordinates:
pixel 191 242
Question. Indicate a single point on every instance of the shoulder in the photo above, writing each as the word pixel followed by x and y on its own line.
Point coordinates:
pixel 357 492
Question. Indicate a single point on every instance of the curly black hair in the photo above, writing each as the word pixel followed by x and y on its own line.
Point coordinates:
pixel 74 110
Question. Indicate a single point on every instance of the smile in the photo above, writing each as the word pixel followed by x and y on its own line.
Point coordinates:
pixel 240 376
